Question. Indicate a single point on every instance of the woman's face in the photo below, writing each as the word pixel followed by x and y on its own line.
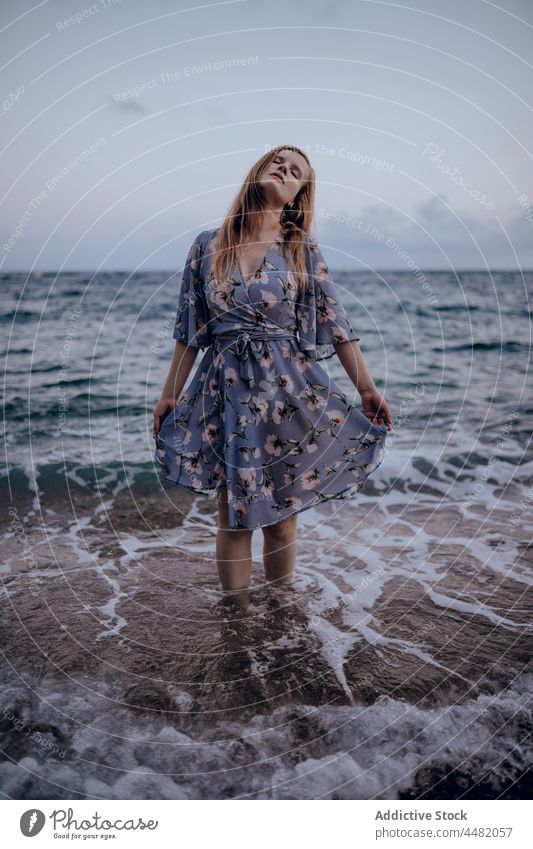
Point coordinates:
pixel 284 176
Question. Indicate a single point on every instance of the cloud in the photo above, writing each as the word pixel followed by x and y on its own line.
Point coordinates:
pixel 435 238
pixel 130 105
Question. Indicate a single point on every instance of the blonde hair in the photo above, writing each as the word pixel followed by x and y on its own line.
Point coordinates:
pixel 240 223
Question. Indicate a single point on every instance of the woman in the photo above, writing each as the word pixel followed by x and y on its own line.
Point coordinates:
pixel 262 424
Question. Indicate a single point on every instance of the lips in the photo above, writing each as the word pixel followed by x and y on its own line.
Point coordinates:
pixel 273 174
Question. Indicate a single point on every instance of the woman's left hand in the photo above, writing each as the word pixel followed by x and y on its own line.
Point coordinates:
pixel 376 408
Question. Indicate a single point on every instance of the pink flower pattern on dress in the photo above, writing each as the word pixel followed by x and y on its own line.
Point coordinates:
pixel 290 439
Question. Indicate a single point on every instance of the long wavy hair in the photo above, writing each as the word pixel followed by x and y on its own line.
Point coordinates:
pixel 243 218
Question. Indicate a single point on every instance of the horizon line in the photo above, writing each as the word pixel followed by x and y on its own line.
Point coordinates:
pixel 333 271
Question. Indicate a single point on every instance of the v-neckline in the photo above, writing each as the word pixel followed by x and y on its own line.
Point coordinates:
pixel 260 266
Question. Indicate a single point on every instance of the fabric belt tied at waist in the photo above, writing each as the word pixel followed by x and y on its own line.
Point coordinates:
pixel 241 341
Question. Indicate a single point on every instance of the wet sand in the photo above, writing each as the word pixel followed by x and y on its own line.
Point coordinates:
pixel 399 665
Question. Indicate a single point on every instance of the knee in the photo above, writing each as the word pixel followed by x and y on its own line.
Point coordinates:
pixel 282 533
pixel 232 534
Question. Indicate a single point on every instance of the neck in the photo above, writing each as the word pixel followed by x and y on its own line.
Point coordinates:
pixel 268 223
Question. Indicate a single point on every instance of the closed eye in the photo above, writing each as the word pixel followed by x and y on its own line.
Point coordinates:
pixel 295 169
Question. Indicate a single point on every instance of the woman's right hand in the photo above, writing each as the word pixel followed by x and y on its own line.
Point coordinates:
pixel 376 408
pixel 163 406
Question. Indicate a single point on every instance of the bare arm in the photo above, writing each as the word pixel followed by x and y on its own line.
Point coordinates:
pixel 182 362
pixel 374 405
pixel 351 357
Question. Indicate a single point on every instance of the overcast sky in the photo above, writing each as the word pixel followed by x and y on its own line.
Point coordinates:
pixel 129 126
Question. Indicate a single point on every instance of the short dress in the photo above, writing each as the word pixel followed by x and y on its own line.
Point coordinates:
pixel 261 416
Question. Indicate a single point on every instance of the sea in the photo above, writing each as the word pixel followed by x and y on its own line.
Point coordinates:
pixel 399 666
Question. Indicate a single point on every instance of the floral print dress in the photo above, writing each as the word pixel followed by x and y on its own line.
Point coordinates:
pixel 261 416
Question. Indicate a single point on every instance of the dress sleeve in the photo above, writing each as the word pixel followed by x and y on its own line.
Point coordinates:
pixel 192 325
pixel 321 317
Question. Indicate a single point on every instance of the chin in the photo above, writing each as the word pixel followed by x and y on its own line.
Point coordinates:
pixel 274 184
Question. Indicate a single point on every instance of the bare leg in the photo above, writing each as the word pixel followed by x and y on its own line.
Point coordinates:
pixel 279 551
pixel 233 554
